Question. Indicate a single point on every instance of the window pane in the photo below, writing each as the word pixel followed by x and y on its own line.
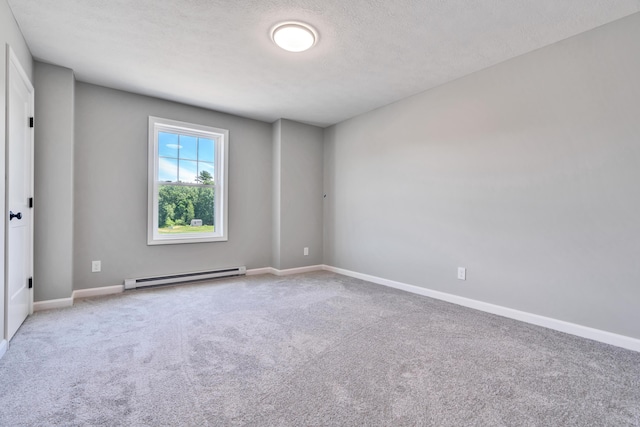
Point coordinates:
pixel 204 205
pixel 205 150
pixel 188 147
pixel 168 145
pixel 185 210
pixel 167 170
pixel 205 173
pixel 188 171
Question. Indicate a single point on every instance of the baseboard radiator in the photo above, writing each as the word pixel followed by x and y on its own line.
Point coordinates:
pixel 184 277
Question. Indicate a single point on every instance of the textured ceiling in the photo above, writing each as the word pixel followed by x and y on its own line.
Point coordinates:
pixel 218 54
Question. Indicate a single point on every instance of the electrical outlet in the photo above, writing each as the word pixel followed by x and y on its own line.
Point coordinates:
pixel 462 273
pixel 96 266
pixel 306 251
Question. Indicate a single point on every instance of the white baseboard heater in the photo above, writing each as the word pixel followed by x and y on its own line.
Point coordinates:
pixel 184 277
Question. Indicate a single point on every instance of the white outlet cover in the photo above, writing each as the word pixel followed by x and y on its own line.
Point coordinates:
pixel 462 273
pixel 96 266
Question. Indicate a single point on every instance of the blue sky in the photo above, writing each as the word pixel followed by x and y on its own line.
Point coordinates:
pixel 183 157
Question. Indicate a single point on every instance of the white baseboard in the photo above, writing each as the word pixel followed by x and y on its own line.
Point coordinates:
pixel 3 348
pixel 547 322
pixel 97 292
pixel 52 303
pixel 285 272
pixel 80 293
pixel 298 270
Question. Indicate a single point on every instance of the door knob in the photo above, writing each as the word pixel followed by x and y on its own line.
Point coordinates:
pixel 17 215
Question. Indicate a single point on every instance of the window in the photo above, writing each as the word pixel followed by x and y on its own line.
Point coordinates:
pixel 187 182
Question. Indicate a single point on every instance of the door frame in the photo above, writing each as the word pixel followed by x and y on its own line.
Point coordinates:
pixel 12 60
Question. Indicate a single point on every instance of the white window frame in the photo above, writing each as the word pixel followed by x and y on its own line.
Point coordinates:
pixel 221 159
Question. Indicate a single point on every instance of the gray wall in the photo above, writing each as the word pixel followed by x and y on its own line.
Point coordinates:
pixel 111 190
pixel 9 35
pixel 54 140
pixel 526 173
pixel 298 159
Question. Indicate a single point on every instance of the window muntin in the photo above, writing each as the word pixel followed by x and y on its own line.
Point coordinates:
pixel 187 182
pixel 183 158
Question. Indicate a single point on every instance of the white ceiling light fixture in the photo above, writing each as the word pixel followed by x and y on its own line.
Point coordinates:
pixel 294 36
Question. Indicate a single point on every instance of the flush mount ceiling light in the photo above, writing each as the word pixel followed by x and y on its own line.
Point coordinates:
pixel 294 36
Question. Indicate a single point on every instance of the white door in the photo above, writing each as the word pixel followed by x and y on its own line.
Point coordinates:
pixel 19 215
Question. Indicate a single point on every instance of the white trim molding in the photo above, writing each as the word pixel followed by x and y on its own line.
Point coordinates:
pixel 52 304
pixel 289 271
pixel 97 292
pixel 77 294
pixel 218 163
pixel 547 322
pixel 286 272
